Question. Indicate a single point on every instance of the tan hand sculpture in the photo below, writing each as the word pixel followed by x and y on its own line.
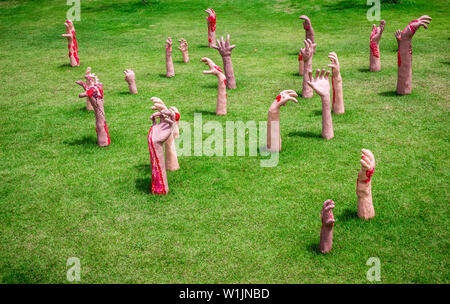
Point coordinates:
pixel 221 106
pixel 321 85
pixel 93 90
pixel 184 50
pixel 158 134
pixel 171 159
pixel 375 37
pixel 72 41
pixel 336 82
pixel 130 78
pixel 225 49
pixel 211 21
pixel 309 34
pixel 404 53
pixel 326 232
pixel 307 53
pixel 169 63
pixel 273 119
pixel 364 187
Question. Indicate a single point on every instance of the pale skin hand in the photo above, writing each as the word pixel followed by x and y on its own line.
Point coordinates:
pixel 379 31
pixel 375 36
pixel 224 48
pixel 326 232
pixel 171 159
pixel 404 40
pixel 307 53
pixel 130 78
pixel 69 36
pixel 169 63
pixel 321 85
pixel 211 33
pixel 89 82
pixel 273 119
pixel 336 80
pixel 363 185
pixel 184 50
pixel 221 106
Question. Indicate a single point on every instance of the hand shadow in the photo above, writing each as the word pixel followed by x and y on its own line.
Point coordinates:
pixel 204 112
pixel 144 184
pixel 305 134
pixel 347 215
pixel 314 248
pixel 84 141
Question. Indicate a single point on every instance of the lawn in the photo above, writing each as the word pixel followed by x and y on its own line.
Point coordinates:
pixel 226 219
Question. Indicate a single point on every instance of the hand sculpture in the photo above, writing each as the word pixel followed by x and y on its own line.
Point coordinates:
pixel 273 119
pixel 326 232
pixel 321 85
pixel 94 91
pixel 158 134
pixel 130 78
pixel 211 21
pixel 307 53
pixel 363 185
pixel 171 159
pixel 221 107
pixel 404 53
pixel 87 84
pixel 309 34
pixel 184 50
pixel 169 64
pixel 336 82
pixel 375 37
pixel 72 40
pixel 225 49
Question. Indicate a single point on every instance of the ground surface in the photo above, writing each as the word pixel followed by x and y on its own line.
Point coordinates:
pixel 226 219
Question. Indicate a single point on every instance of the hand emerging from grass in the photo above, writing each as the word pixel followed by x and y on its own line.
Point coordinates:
pixel 184 50
pixel 169 63
pixel 225 49
pixel 130 78
pixel 221 106
pixel 72 43
pixel 307 53
pixel 336 82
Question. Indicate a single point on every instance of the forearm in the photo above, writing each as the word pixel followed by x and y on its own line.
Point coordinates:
pixel 169 63
pixel 159 178
pixel 185 56
pixel 309 33
pixel 229 72
pixel 132 86
pixel 404 78
pixel 101 127
pixel 301 65
pixel 327 123
pixel 307 91
pixel 326 239
pixel 375 64
pixel 221 107
pixel 171 160
pixel 211 37
pixel 364 194
pixel 338 100
pixel 273 130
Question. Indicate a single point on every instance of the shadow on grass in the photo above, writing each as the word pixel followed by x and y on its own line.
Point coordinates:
pixel 346 4
pixel 389 94
pixel 84 141
pixel 204 112
pixel 209 86
pixel 347 215
pixel 317 112
pixel 64 65
pixel 364 70
pixel 203 46
pixel 314 248
pixel 144 184
pixel 305 134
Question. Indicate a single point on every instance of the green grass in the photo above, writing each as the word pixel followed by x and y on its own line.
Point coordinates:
pixel 226 219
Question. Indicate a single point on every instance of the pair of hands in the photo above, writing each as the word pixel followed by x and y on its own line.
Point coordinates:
pixel 412 27
pixel 183 44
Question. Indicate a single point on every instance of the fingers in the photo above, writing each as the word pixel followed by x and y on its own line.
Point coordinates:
pixel 228 40
pixel 292 98
pixel 290 93
pixel 317 74
pixel 215 46
pixel 232 47
pixel 82 95
pixel 332 66
pixel 425 17
pixel 88 71
pixel 322 73
pixel 364 164
pixel 310 74
pixel 327 74
pixel 82 84
pixel 212 71
pixel 369 154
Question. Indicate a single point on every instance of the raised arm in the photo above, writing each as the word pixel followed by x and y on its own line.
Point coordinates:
pixel 224 47
pixel 364 185
pixel 221 106
pixel 169 63
pixel 72 43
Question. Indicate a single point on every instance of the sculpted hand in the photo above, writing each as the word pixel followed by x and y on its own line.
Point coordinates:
pixel 213 68
pixel 320 83
pixel 377 31
pixel 224 47
pixel 129 75
pixel 163 129
pixel 183 45
pixel 169 44
pixel 69 29
pixel 308 50
pixel 335 69
pixel 283 98
pixel 327 214
pixel 307 23
pixel 367 166
pixel 414 25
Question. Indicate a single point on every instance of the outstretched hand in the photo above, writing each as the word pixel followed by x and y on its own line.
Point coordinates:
pixel 183 45
pixel 213 68
pixel 320 83
pixel 69 31
pixel 308 50
pixel 334 65
pixel 413 26
pixel 224 47
pixel 307 23
pixel 284 97
pixel 377 31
